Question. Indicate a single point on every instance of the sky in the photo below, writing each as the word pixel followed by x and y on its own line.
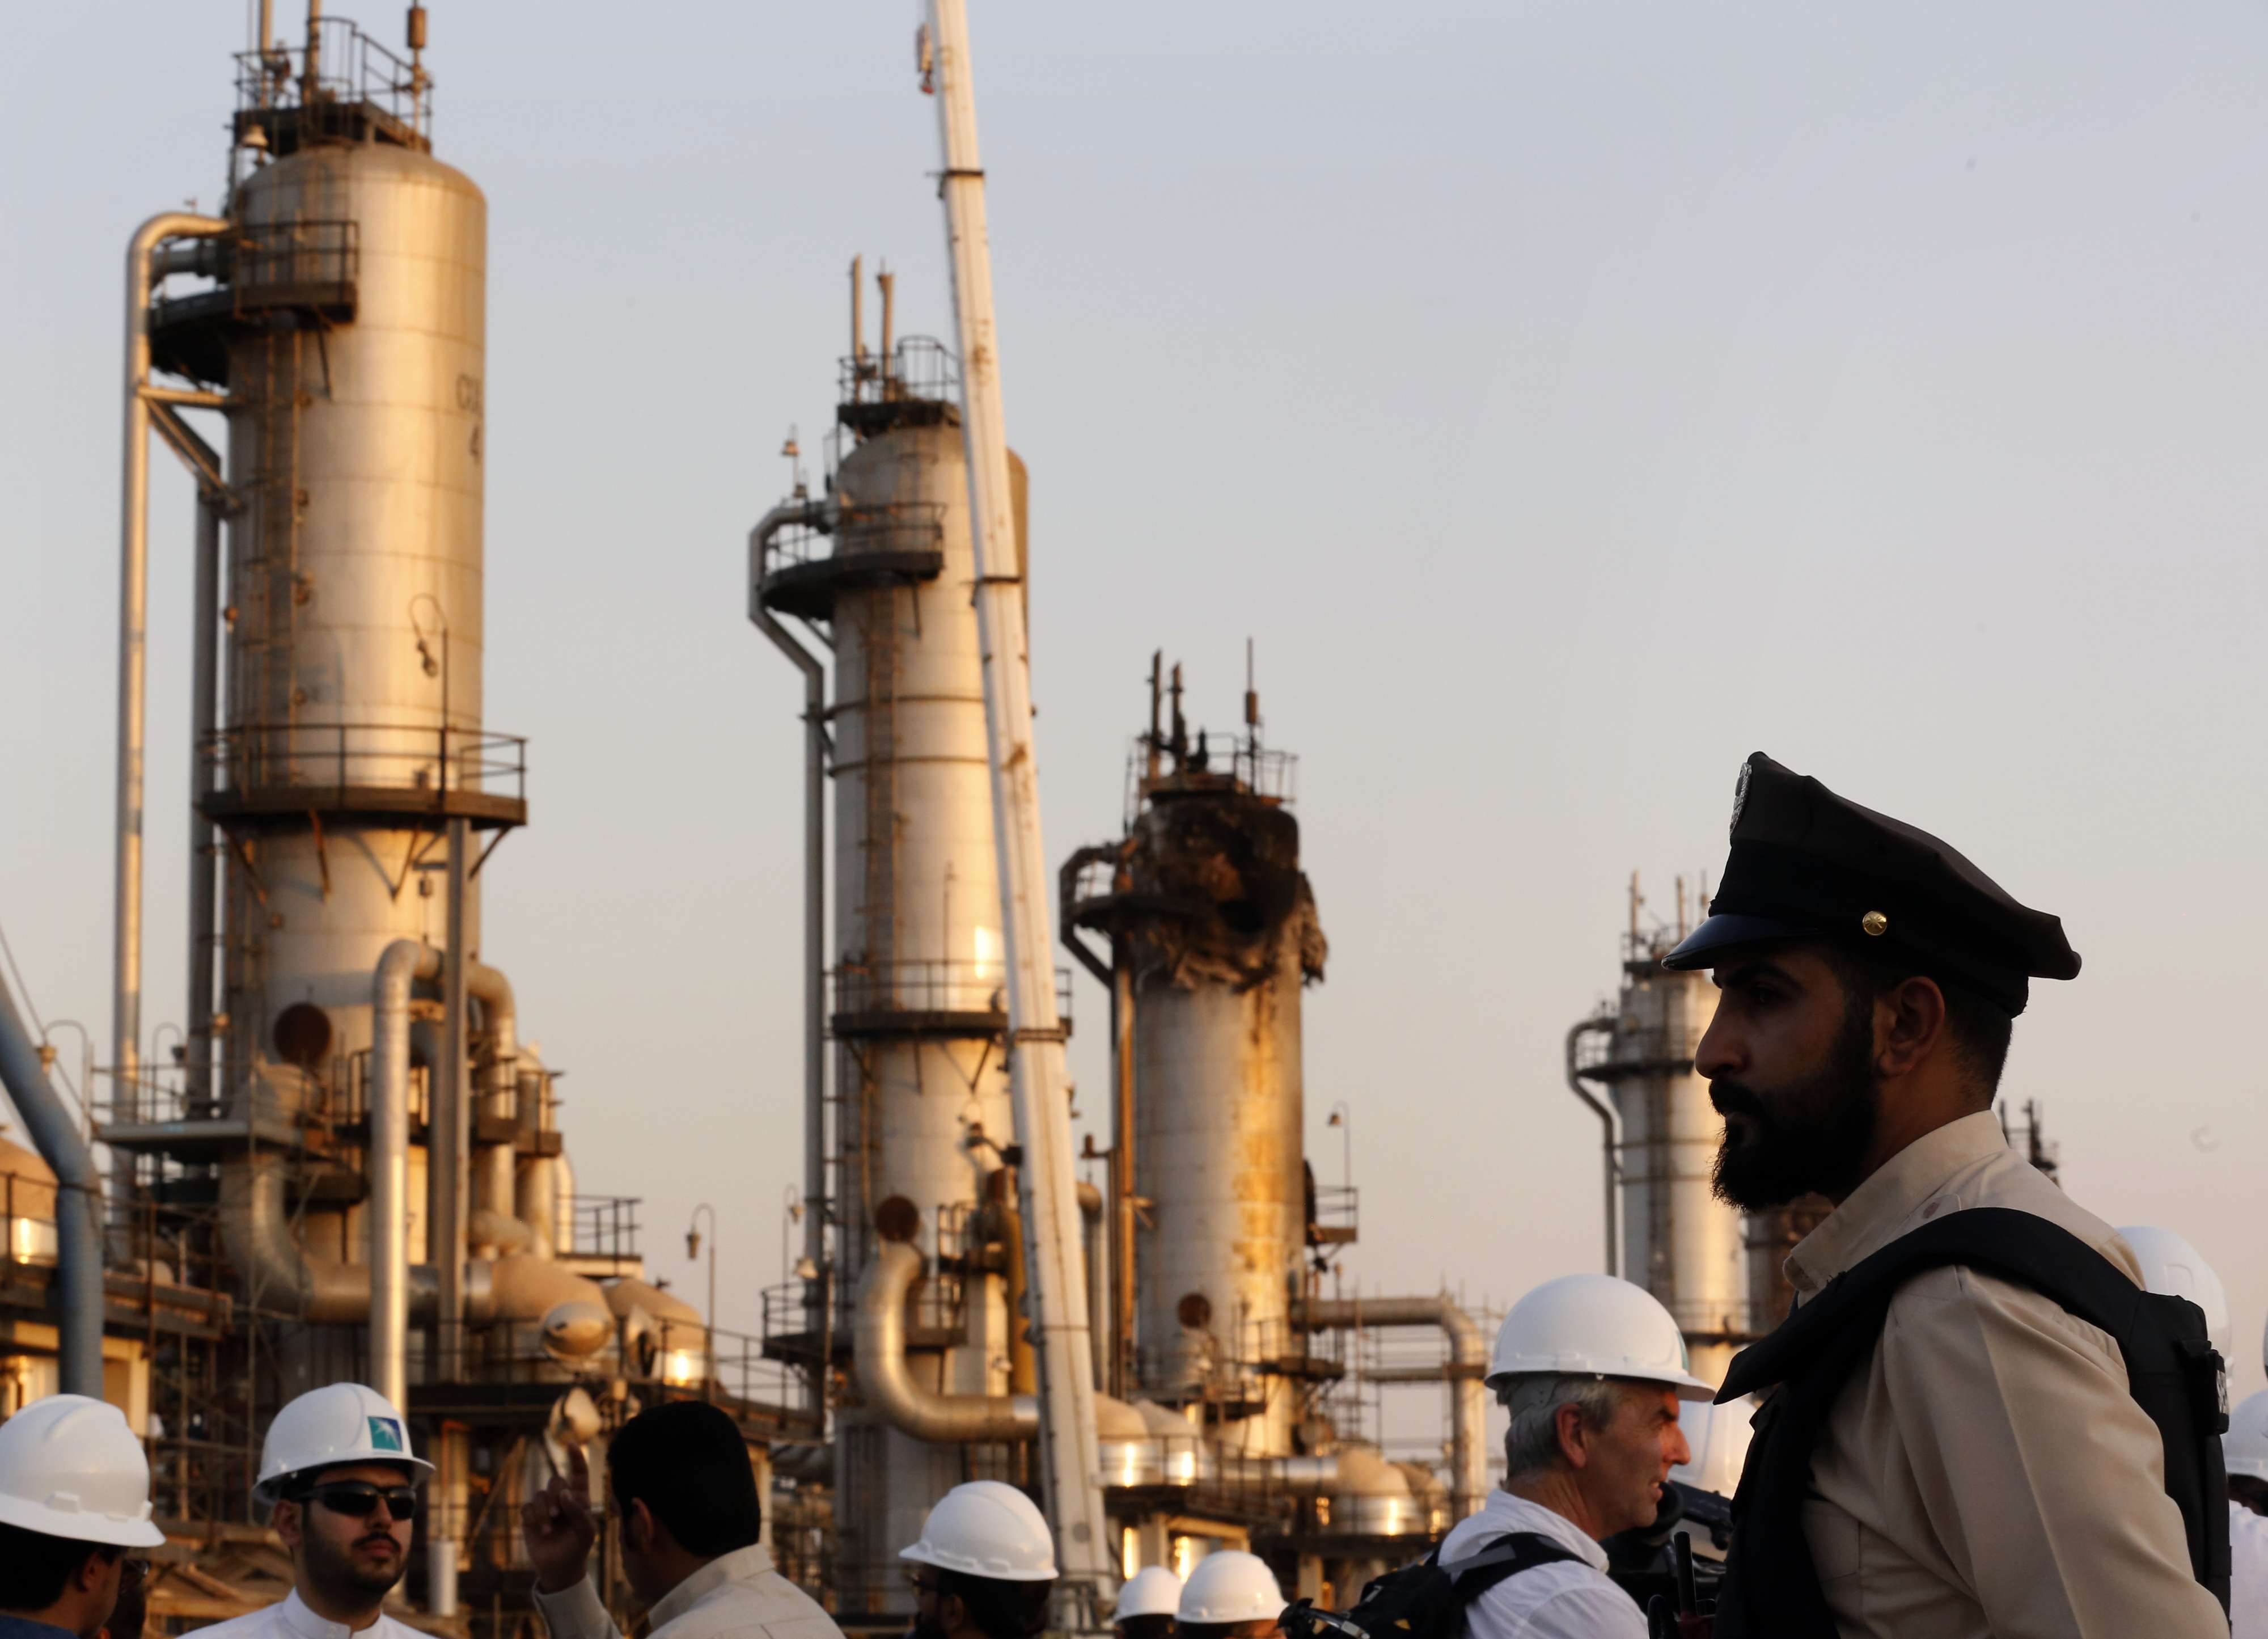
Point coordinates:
pixel 1566 401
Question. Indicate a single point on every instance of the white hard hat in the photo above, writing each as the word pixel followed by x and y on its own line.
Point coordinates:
pixel 2174 1268
pixel 70 1467
pixel 986 1529
pixel 345 1422
pixel 1594 1324
pixel 1230 1585
pixel 2244 1448
pixel 1154 1591
pixel 1720 1436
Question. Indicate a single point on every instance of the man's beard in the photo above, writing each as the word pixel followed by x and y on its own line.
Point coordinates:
pixel 1814 1135
pixel 925 1627
pixel 334 1571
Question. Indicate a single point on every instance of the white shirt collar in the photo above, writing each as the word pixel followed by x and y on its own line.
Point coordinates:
pixel 1504 1511
pixel 304 1623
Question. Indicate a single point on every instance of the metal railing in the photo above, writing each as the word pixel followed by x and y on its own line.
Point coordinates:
pixel 605 1226
pixel 1238 761
pixel 340 757
pixel 298 253
pixel 346 67
pixel 929 986
pixel 881 526
pixel 920 367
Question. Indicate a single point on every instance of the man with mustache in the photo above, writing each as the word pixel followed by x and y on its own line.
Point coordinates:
pixel 337 1470
pixel 1984 1468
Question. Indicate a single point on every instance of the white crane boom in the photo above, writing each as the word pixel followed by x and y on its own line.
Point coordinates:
pixel 1039 1085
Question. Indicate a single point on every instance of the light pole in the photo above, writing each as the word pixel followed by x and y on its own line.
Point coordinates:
pixel 693 1249
pixel 1342 1118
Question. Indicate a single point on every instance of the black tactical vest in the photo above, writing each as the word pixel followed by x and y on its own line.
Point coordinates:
pixel 1771 1587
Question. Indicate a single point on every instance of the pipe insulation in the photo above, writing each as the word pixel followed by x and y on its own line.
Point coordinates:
pixel 404 962
pixel 133 633
pixel 1467 1362
pixel 78 1232
pixel 879 1346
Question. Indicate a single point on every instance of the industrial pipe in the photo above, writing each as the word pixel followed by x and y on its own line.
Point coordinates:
pixel 405 962
pixel 203 854
pixel 133 660
pixel 79 1235
pixel 255 1226
pixel 1597 1025
pixel 817 516
pixel 494 1181
pixel 878 1347
pixel 1467 1362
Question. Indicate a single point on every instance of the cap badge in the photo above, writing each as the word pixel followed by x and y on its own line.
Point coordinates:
pixel 1874 923
pixel 1740 797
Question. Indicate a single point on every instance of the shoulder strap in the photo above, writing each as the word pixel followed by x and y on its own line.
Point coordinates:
pixel 1505 1556
pixel 1772 1586
pixel 2017 1246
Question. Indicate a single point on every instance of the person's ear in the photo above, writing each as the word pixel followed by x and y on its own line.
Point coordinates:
pixel 287 1524
pixel 1574 1434
pixel 95 1570
pixel 1909 1025
pixel 951 1613
pixel 640 1527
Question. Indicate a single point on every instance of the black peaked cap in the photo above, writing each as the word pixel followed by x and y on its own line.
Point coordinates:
pixel 1807 864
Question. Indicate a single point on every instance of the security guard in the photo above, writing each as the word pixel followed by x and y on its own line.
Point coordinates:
pixel 1984 1469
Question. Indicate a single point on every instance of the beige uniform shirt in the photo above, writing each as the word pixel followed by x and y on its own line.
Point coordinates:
pixel 734 1596
pixel 1987 1474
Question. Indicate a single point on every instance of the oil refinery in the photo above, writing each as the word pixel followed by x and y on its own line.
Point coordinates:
pixel 355 1165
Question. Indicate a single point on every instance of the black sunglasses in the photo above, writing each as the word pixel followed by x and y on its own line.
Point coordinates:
pixel 358 1499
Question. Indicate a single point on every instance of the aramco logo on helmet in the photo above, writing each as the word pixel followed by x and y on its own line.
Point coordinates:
pixel 386 1435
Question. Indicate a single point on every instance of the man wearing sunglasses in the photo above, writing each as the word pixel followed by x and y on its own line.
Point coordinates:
pixel 341 1480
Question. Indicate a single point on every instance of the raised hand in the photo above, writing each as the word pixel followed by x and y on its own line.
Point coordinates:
pixel 558 1526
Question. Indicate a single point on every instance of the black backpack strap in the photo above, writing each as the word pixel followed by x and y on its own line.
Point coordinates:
pixel 1771 1584
pixel 1504 1556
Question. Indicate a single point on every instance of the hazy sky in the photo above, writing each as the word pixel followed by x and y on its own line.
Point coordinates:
pixel 1568 399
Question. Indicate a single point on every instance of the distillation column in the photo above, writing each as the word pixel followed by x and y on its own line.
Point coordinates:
pixel 1215 931
pixel 923 1125
pixel 1692 1251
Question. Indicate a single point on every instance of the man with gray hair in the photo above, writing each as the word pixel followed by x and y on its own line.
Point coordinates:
pixel 1592 1369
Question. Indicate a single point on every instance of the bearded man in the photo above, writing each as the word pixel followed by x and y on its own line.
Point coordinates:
pixel 1976 1463
pixel 337 1470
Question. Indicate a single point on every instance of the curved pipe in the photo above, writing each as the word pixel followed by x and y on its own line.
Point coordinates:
pixel 78 1234
pixel 494 1165
pixel 1600 1025
pixel 878 1347
pixel 133 628
pixel 1467 1362
pixel 816 515
pixel 255 1222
